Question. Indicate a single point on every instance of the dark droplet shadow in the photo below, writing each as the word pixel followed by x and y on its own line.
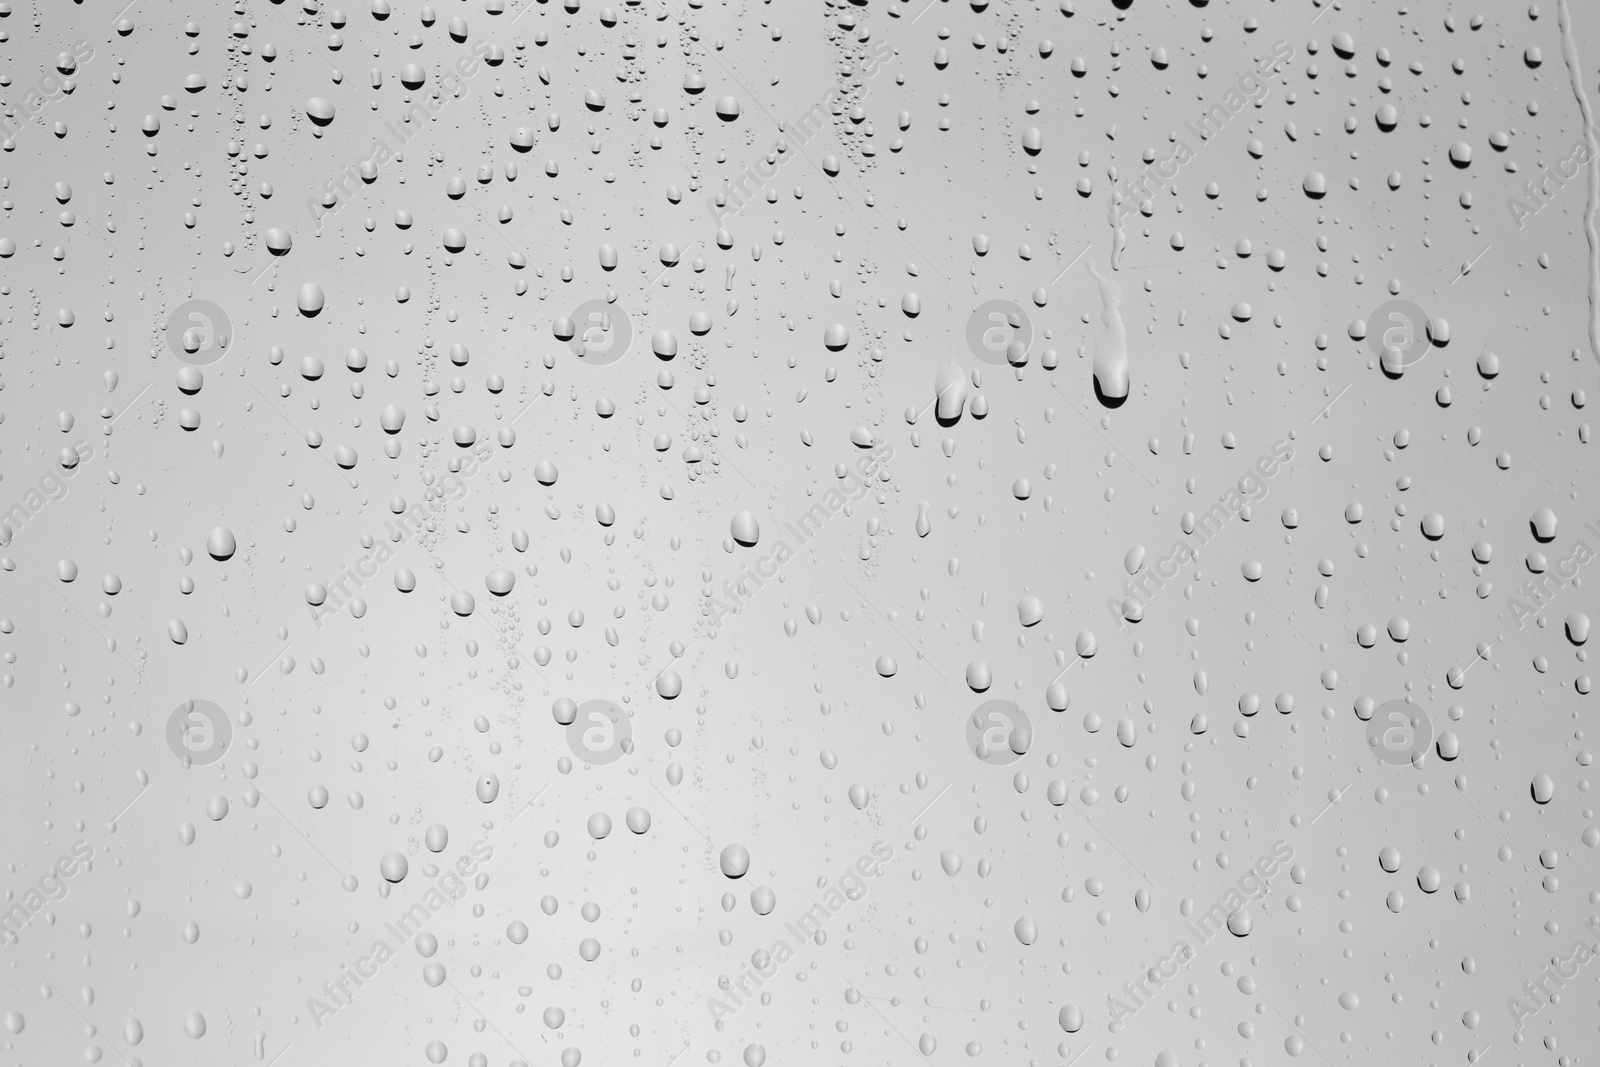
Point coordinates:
pixel 1112 402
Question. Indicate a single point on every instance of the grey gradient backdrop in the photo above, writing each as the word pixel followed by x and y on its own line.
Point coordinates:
pixel 951 155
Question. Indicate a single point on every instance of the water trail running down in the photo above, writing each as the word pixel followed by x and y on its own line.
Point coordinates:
pixel 1119 240
pixel 1569 55
pixel 1110 345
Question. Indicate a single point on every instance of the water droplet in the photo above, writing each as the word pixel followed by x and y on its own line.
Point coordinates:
pixel 393 867
pixel 735 861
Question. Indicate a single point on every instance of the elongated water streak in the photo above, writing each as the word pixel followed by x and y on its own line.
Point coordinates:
pixel 1110 345
pixel 1569 54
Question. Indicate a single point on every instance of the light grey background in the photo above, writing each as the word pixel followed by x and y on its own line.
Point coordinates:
pixel 805 748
